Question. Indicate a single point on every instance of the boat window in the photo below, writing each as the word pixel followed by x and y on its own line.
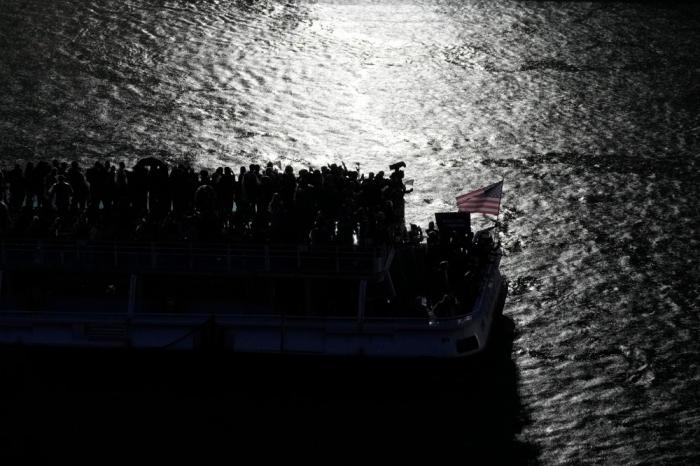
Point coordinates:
pixel 332 298
pixel 65 292
pixel 205 294
pixel 290 297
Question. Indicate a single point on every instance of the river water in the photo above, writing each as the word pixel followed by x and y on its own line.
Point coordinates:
pixel 590 112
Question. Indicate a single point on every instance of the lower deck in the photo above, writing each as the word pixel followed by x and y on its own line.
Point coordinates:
pixel 378 303
pixel 279 326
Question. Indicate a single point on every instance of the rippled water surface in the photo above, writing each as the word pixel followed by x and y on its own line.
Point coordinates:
pixel 590 111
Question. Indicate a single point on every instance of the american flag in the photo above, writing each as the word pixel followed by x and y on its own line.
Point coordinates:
pixel 486 200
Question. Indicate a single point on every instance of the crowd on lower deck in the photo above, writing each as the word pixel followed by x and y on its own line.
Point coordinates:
pixel 156 201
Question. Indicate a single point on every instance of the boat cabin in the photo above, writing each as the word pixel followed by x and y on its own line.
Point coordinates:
pixel 271 298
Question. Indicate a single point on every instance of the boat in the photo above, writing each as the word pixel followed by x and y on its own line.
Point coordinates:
pixel 252 298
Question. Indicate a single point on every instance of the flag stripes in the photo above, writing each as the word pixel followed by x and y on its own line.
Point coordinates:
pixel 485 200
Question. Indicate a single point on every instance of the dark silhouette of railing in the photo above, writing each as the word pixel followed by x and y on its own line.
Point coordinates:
pixel 193 258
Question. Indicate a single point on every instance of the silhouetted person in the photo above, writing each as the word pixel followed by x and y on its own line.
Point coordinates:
pixel 445 307
pixel 320 233
pixel 288 186
pixel 3 187
pixel 145 230
pixel 277 220
pixel 36 183
pixel 29 185
pixel 251 184
pixel 178 187
pixel 204 178
pixel 61 193
pixel 208 227
pixel 346 228
pixel 225 191
pixel 109 186
pixel 5 220
pixel 138 188
pixel 81 191
pixel 159 194
pixel 205 200
pixel 432 234
pixel 95 177
pixel 15 179
pixel 122 187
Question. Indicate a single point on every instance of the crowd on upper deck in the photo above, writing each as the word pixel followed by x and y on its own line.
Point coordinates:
pixel 156 201
pixel 159 202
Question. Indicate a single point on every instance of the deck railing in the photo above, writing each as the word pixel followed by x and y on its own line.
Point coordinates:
pixel 193 258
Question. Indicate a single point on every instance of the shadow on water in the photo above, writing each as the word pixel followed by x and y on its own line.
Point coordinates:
pixel 67 404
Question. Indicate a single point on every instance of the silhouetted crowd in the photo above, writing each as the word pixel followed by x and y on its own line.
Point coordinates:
pixel 155 201
pixel 453 259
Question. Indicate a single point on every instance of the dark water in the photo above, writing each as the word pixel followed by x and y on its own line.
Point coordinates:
pixel 590 111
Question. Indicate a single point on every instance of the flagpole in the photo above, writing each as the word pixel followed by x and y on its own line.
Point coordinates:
pixel 498 215
pixel 499 200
